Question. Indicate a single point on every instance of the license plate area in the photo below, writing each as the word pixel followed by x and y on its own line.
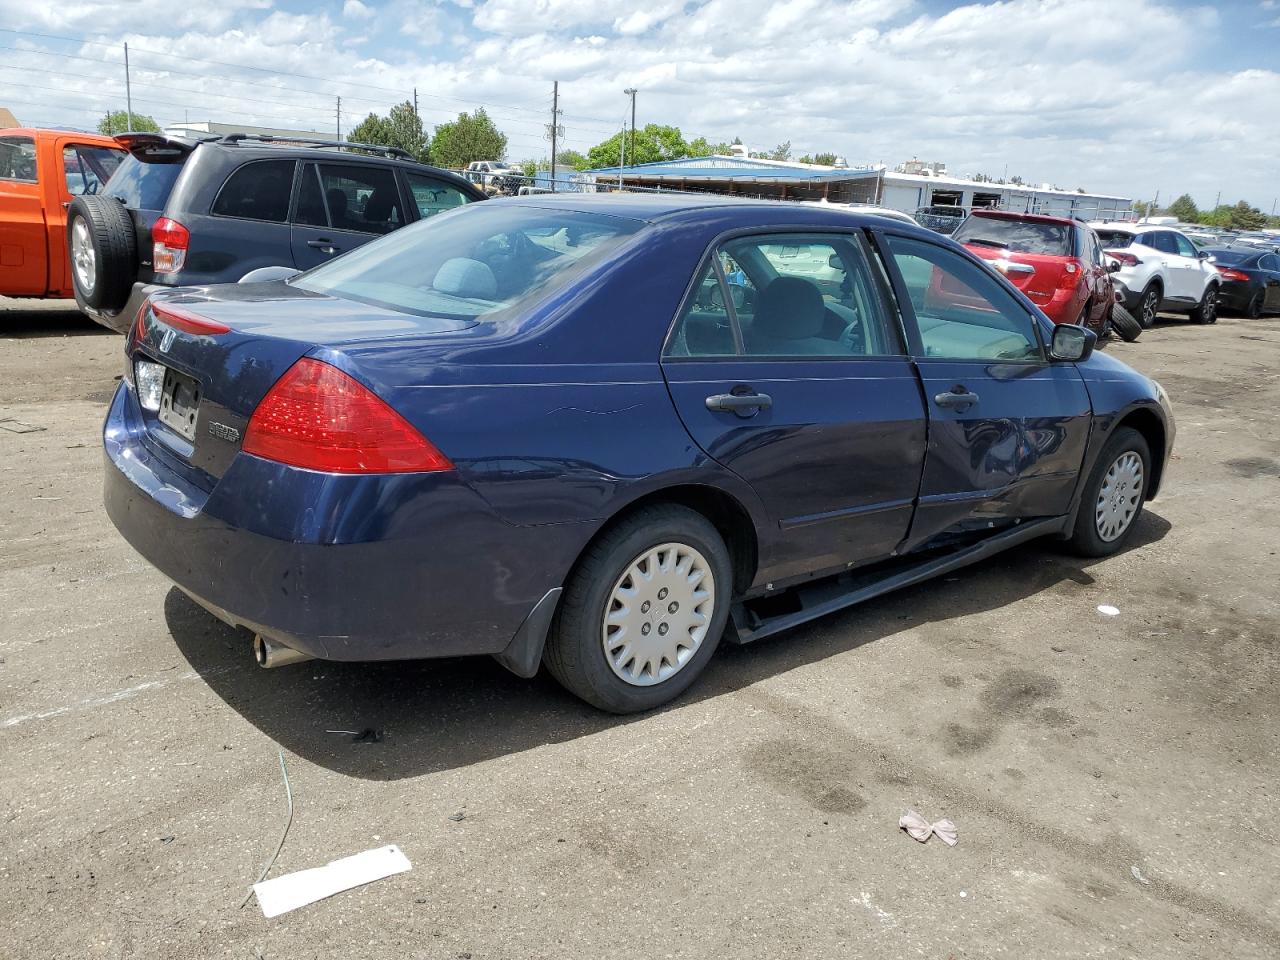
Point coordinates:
pixel 180 403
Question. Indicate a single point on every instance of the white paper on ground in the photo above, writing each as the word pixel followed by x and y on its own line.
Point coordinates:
pixel 1109 611
pixel 282 894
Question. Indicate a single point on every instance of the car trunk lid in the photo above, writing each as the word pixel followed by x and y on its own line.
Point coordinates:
pixel 1036 275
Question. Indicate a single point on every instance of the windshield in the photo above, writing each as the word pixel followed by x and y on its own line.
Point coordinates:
pixel 1115 239
pixel 472 262
pixel 1229 257
pixel 1020 236
pixel 141 185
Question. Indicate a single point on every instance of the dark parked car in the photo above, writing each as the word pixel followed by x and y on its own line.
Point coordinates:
pixel 180 211
pixel 554 430
pixel 1250 280
pixel 940 219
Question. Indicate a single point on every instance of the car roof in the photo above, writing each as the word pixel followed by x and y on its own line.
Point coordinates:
pixel 1014 215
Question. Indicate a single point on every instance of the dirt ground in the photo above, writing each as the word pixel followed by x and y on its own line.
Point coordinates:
pixel 1113 778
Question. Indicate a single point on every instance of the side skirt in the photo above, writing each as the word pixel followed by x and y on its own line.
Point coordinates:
pixel 846 590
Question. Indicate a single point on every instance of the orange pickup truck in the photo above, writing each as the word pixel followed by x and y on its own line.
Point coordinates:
pixel 40 172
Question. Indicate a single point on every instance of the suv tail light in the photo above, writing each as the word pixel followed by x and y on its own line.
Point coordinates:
pixel 170 241
pixel 1126 259
pixel 1229 274
pixel 318 418
pixel 1070 276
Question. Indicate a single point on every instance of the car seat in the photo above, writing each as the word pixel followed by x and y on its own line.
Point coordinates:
pixel 789 321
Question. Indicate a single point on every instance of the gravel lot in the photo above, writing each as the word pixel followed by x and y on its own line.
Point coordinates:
pixel 1113 778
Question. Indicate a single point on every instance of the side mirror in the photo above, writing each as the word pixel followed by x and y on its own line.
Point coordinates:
pixel 834 263
pixel 1204 255
pixel 1071 343
pixel 1113 266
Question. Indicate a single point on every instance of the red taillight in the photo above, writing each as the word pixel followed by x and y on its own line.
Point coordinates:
pixel 319 418
pixel 1229 274
pixel 170 240
pixel 1125 259
pixel 1070 275
pixel 140 324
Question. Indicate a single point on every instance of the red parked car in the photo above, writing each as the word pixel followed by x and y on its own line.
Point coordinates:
pixel 1057 262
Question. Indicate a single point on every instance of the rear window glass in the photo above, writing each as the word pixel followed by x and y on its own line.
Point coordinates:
pixel 1228 257
pixel 473 262
pixel 257 191
pixel 17 158
pixel 1115 239
pixel 1020 236
pixel 142 185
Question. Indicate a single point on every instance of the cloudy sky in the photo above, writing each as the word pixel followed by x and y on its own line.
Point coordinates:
pixel 1117 96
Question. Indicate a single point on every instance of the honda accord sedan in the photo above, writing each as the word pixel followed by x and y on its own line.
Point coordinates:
pixel 605 433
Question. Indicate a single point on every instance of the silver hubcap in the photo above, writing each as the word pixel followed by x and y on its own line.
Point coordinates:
pixel 658 613
pixel 82 255
pixel 1149 308
pixel 1119 497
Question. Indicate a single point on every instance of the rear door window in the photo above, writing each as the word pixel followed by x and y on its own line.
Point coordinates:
pixel 17 159
pixel 361 198
pixel 259 190
pixel 432 196
pixel 1160 240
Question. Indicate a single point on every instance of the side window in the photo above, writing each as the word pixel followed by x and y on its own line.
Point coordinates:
pixel 705 328
pixel 1270 262
pixel 363 198
pixel 88 168
pixel 432 196
pixel 259 190
pixel 962 312
pixel 1185 247
pixel 311 211
pixel 17 158
pixel 806 295
pixel 1094 247
pixel 1163 241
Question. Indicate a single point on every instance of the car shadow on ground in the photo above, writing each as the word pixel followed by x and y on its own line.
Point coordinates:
pixel 433 715
pixel 29 320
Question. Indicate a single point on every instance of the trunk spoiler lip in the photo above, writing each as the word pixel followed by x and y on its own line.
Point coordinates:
pixel 178 318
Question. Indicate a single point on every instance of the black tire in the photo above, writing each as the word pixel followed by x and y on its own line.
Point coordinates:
pixel 1207 310
pixel 1125 323
pixel 1086 539
pixel 1254 310
pixel 115 252
pixel 575 652
pixel 1149 305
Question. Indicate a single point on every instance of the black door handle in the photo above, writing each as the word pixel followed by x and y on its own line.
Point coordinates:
pixel 743 404
pixel 958 398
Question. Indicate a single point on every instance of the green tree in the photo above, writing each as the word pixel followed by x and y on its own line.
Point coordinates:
pixel 653 143
pixel 117 121
pixel 824 159
pixel 401 128
pixel 572 158
pixel 470 137
pixel 702 147
pixel 781 152
pixel 1244 216
pixel 1185 209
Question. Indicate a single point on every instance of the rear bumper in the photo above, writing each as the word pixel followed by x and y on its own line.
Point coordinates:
pixel 1234 295
pixel 339 567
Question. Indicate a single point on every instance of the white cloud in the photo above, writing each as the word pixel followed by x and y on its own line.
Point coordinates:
pixel 90 16
pixel 356 10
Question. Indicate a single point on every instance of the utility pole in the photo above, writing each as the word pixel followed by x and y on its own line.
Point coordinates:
pixel 338 116
pixel 555 122
pixel 622 158
pixel 1217 200
pixel 415 105
pixel 128 91
pixel 631 92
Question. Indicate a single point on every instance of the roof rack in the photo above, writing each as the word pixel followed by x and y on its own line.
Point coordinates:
pixel 308 142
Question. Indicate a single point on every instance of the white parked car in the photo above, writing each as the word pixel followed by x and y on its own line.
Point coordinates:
pixel 1161 270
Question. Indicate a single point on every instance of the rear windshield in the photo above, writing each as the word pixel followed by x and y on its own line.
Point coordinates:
pixel 472 262
pixel 1115 239
pixel 1229 257
pixel 143 185
pixel 1020 236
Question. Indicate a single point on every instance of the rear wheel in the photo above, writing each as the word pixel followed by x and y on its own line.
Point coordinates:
pixel 1149 306
pixel 1125 323
pixel 643 611
pixel 1254 310
pixel 1113 496
pixel 104 252
pixel 1207 311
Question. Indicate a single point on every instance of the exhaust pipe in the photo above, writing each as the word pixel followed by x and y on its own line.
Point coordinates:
pixel 271 654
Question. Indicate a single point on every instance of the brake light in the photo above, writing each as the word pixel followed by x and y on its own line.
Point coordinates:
pixel 170 241
pixel 1229 274
pixel 1126 259
pixel 318 418
pixel 1068 279
pixel 140 324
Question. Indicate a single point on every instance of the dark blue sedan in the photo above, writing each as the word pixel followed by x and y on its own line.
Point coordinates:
pixel 605 432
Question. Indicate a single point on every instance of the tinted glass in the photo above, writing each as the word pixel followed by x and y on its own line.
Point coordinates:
pixel 361 198
pixel 1185 247
pixel 962 313
pixel 705 328
pixel 142 185
pixel 311 210
pixel 1115 239
pixel 88 168
pixel 1160 240
pixel 1270 262
pixel 479 262
pixel 1231 257
pixel 432 196
pixel 1020 236
pixel 257 191
pixel 17 158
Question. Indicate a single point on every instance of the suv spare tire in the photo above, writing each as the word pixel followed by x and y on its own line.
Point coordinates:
pixel 104 252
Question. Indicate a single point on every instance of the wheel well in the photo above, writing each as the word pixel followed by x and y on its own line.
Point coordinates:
pixel 727 515
pixel 1157 284
pixel 1152 430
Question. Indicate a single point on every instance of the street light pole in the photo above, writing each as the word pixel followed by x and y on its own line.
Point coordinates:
pixel 631 92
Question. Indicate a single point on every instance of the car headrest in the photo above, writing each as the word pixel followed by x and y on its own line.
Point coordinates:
pixel 337 202
pixel 790 309
pixel 461 277
pixel 377 209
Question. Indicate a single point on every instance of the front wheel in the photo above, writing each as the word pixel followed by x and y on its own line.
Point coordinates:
pixel 1207 311
pixel 643 611
pixel 1113 495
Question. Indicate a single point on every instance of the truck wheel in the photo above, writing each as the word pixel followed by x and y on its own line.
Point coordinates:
pixel 1125 323
pixel 643 612
pixel 104 252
